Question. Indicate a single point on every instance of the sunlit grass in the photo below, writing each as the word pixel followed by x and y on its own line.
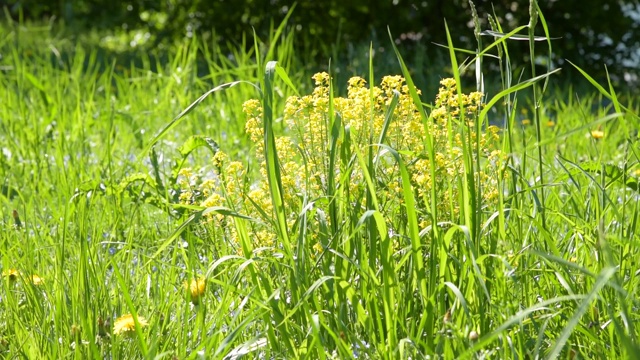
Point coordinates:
pixel 281 219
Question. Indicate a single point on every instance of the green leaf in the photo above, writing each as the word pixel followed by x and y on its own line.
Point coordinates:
pixel 601 281
pixel 146 178
pixel 613 173
pixel 197 141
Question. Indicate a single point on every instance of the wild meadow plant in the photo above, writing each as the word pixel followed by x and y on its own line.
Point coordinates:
pixel 339 158
pixel 385 113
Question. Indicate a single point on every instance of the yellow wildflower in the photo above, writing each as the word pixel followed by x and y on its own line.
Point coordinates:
pixel 475 98
pixel 235 168
pixel 186 172
pixel 36 280
pixel 196 289
pixel 11 274
pixel 448 83
pixel 185 197
pixel 207 187
pixel 597 134
pixel 219 158
pixel 357 82
pixel 321 79
pixel 125 324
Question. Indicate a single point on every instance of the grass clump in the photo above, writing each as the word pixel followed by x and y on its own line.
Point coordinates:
pixel 314 159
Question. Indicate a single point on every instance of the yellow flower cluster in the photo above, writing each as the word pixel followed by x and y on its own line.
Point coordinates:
pixel 292 172
pixel 448 102
pixel 223 186
pixel 304 153
pixel 363 113
pixel 450 138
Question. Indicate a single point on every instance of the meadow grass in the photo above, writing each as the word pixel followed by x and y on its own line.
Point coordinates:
pixel 307 223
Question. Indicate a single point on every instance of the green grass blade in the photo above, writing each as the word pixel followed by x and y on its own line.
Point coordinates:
pixel 601 281
pixel 171 125
pixel 271 157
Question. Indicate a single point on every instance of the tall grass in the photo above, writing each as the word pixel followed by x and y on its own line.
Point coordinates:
pixel 319 242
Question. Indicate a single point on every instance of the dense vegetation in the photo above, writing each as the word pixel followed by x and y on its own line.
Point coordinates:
pixel 588 33
pixel 150 211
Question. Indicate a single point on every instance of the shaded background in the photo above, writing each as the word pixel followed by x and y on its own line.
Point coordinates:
pixel 591 33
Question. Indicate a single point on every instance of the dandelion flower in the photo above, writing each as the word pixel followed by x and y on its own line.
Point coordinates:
pixel 551 123
pixel 196 289
pixel 11 274
pixel 526 122
pixel 125 324
pixel 597 134
pixel 36 280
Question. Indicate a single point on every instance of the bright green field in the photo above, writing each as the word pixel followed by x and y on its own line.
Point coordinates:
pixel 308 240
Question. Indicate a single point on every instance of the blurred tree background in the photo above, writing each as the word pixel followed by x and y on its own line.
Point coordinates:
pixel 590 33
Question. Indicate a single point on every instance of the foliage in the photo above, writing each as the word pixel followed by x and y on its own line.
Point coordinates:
pixel 589 33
